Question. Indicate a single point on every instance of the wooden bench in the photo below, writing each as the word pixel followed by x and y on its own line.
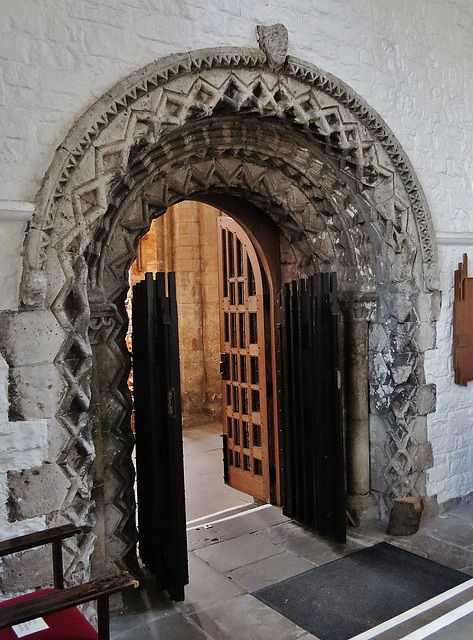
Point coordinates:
pixel 47 603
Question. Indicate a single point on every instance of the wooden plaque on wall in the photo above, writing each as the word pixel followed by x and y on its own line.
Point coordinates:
pixel 463 325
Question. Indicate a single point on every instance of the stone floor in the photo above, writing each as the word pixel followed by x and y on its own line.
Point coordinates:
pixel 244 547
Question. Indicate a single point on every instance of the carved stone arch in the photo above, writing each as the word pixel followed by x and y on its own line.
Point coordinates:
pixel 304 193
pixel 223 119
pixel 168 93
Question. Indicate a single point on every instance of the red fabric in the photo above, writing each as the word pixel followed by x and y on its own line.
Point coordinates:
pixel 69 624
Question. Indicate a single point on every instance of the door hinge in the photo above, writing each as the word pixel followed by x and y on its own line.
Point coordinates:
pixel 339 379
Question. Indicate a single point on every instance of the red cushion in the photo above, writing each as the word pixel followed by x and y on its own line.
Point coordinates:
pixel 69 624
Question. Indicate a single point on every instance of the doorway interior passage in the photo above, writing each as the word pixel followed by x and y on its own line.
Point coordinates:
pixel 207 497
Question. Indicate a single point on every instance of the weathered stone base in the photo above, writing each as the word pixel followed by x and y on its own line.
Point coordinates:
pixel 363 509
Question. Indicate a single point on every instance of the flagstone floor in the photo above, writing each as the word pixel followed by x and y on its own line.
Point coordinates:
pixel 236 547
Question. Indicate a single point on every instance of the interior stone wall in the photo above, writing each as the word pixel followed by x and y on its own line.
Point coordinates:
pixel 32 493
pixel 184 240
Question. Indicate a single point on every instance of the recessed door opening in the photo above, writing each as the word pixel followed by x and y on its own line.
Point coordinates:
pixel 185 240
pixel 207 278
pixel 218 460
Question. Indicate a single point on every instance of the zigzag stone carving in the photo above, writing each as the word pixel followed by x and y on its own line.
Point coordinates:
pixel 297 143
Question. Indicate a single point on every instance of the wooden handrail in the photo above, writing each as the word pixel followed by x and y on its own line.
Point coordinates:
pixel 43 605
pixel 31 540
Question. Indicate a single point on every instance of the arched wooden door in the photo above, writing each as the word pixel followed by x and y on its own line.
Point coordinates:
pixel 243 363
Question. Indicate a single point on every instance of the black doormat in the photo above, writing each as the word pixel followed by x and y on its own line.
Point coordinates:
pixel 348 596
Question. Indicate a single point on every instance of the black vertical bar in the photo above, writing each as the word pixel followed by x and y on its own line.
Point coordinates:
pixel 295 400
pixel 313 384
pixel 103 618
pixel 339 503
pixel 176 504
pixel 159 538
pixel 313 431
pixel 287 395
pixel 225 457
pixel 298 413
pixel 307 423
pixel 57 564
pixel 281 390
pixel 322 352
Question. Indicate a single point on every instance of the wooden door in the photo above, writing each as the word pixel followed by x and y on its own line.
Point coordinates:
pixel 243 362
pixel 158 432
pixel 314 472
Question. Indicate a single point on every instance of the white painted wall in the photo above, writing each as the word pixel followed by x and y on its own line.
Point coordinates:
pixel 411 60
pixel 450 428
pixel 24 445
pixel 14 217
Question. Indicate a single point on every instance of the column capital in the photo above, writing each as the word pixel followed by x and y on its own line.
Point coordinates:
pixel 103 320
pixel 358 307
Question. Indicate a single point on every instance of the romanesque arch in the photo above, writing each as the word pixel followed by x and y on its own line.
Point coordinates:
pixel 301 146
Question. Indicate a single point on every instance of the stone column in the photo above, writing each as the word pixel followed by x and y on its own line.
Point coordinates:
pixel 113 470
pixel 358 310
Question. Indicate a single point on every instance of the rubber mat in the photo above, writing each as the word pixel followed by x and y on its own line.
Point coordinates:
pixel 353 594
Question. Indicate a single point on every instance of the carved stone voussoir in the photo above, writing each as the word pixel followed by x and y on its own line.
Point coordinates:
pixel 103 319
pixel 358 308
pixel 34 281
pixel 174 110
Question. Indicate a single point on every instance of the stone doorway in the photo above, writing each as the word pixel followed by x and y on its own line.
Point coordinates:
pixel 301 147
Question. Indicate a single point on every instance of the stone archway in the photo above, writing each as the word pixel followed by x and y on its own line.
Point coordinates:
pixel 301 146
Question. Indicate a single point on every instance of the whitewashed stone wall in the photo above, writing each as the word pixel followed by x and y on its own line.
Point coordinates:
pixel 14 217
pixel 411 61
pixel 24 446
pixel 451 427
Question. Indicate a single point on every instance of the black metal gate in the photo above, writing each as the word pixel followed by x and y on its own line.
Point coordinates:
pixel 158 431
pixel 314 477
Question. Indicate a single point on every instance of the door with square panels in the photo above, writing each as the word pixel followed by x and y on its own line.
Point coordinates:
pixel 243 362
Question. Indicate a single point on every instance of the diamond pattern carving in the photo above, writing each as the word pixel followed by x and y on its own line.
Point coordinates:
pixel 74 362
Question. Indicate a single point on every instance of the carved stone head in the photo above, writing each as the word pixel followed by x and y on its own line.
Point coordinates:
pixel 273 41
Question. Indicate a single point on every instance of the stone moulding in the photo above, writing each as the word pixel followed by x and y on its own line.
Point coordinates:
pixel 372 120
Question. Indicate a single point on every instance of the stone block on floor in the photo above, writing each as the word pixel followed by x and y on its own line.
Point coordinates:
pixel 306 544
pixel 206 586
pixel 170 627
pixel 252 521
